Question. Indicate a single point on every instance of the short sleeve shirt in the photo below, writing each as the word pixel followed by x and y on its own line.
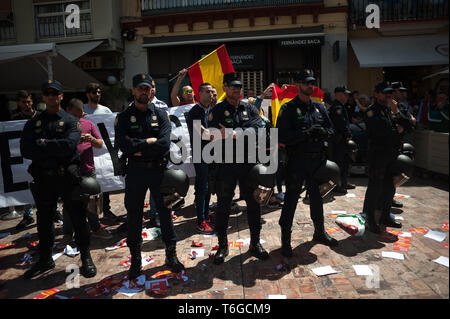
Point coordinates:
pixel 101 109
pixel 85 149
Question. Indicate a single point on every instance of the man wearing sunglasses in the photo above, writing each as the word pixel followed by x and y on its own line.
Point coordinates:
pixel 303 126
pixel 187 93
pixel 50 140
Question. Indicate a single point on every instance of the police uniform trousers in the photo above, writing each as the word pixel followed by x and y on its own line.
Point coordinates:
pixel 298 171
pixel 228 176
pixel 380 189
pixel 341 158
pixel 137 181
pixel 46 191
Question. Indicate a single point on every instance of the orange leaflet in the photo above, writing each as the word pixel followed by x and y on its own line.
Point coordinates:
pixel 47 293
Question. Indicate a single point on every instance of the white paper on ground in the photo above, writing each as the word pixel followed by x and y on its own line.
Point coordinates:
pixel 362 270
pixel 442 261
pixel 436 235
pixel 146 260
pixel 246 241
pixel 72 252
pixel 130 292
pixel 277 297
pixel 322 271
pixel 200 252
pixel 390 254
pixel 56 256
pixel 406 196
pixel 405 234
pixel 350 195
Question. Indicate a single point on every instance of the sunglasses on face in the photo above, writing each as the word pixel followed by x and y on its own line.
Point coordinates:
pixel 52 93
pixel 187 91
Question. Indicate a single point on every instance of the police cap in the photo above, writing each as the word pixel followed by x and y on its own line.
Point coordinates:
pixel 383 87
pixel 142 79
pixel 52 84
pixel 304 76
pixel 232 79
pixel 398 86
pixel 342 89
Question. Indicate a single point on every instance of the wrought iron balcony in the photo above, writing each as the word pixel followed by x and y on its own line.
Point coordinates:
pixel 398 10
pixel 157 7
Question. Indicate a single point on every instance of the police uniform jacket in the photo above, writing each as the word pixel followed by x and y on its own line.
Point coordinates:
pixel 382 128
pixel 244 116
pixel 295 118
pixel 62 133
pixel 339 118
pixel 133 127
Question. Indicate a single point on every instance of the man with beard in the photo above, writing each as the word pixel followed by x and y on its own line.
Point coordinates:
pixel 142 132
pixel 303 126
pixel 93 94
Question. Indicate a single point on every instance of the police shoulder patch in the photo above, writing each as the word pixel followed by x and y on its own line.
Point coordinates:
pixel 210 116
pixel 338 111
pixel 370 113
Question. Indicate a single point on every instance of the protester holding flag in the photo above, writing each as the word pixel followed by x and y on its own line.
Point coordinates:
pixel 187 93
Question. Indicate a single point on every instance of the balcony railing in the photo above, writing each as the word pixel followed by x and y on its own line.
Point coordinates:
pixel 7 31
pixel 398 10
pixel 155 7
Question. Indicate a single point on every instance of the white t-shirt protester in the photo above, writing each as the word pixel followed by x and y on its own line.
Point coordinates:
pixel 101 109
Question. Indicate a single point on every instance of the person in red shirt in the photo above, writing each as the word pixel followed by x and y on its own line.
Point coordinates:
pixel 89 138
pixel 187 93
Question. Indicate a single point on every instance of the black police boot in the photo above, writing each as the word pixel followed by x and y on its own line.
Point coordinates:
pixel 256 249
pixel 321 236
pixel 41 266
pixel 396 203
pixel 88 269
pixel 222 252
pixel 340 190
pixel 350 186
pixel 171 258
pixel 286 249
pixel 136 263
pixel 388 221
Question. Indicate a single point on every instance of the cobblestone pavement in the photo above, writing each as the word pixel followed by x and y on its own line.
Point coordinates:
pixel 243 276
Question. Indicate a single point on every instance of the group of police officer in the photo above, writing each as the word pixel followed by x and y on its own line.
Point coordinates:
pixel 142 132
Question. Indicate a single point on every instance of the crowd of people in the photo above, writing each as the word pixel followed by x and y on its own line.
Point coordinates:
pixel 311 134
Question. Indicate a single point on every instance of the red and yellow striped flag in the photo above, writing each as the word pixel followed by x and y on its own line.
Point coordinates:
pixel 280 97
pixel 210 69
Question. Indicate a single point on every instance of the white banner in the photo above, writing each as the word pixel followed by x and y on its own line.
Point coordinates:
pixel 14 178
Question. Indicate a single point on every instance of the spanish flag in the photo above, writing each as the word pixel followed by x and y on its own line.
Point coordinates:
pixel 280 97
pixel 210 69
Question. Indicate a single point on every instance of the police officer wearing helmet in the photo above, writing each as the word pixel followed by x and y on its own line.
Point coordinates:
pixel 142 132
pixel 303 126
pixel 227 116
pixel 384 135
pixel 50 140
pixel 342 135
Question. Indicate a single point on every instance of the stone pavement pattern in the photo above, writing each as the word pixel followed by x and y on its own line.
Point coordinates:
pixel 243 276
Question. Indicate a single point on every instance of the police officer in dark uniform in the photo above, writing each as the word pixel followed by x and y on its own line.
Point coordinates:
pixel 142 132
pixel 384 131
pixel 227 116
pixel 50 140
pixel 342 134
pixel 303 126
pixel 398 105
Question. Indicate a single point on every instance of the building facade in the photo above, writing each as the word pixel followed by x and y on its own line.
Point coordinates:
pixel 267 41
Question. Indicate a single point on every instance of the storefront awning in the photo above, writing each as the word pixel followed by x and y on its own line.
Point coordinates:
pixel 401 51
pixel 72 51
pixel 28 66
pixel 275 34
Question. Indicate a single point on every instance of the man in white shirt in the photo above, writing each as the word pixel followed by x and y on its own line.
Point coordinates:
pixel 93 94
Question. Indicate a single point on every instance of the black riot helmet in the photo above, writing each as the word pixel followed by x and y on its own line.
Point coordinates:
pixel 328 176
pixel 402 170
pixel 261 182
pixel 352 149
pixel 408 150
pixel 88 188
pixel 174 186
